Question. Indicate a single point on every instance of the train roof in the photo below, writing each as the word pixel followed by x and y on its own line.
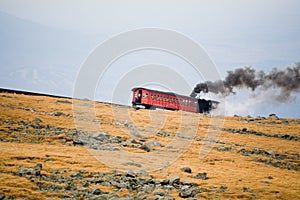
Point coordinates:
pixel 169 93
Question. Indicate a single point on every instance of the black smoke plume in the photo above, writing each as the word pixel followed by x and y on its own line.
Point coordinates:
pixel 286 80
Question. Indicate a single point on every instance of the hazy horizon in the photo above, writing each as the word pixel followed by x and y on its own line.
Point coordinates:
pixel 44 44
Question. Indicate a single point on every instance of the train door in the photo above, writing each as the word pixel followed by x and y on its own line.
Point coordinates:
pixel 137 96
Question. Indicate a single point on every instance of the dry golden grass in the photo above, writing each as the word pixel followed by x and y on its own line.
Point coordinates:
pixel 223 167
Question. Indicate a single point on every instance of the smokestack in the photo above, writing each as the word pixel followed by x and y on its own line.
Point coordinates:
pixel 287 80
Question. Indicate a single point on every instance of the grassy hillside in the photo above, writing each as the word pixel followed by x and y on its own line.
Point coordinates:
pixel 44 153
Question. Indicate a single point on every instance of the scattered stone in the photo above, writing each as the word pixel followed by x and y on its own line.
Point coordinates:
pixel 273 116
pixel 78 142
pixel 187 192
pixel 127 124
pixel 143 173
pixel 202 176
pixel 130 173
pixel 223 188
pixel 145 147
pixel 96 191
pixel 101 136
pixel 154 143
pixel 117 139
pixel 37 120
pixel 174 180
pixel 186 169
pixel 251 132
pixel 76 174
pixel 224 148
pixel 133 141
pixel 58 113
pixel 266 182
pixel 163 133
pixel 183 136
pixel 247 189
pixel 64 101
pixel 30 171
pixel 136 134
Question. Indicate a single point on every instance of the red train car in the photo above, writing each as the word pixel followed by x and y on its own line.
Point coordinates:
pixel 152 99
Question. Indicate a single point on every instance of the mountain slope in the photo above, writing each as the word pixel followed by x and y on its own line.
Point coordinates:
pixel 45 153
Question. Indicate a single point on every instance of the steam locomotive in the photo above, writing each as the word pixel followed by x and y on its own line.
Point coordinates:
pixel 152 99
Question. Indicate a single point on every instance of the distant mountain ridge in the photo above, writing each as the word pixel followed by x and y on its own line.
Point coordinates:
pixel 40 58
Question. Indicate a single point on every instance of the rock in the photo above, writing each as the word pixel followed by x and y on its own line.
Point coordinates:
pixel 117 139
pixel 186 169
pixel 159 192
pixel 2 196
pixel 133 141
pixel 165 182
pixel 136 134
pixel 70 186
pixel 163 133
pixel 38 167
pixel 273 116
pixel 130 173
pixel 145 147
pixel 183 136
pixel 202 176
pixel 188 192
pixel 124 144
pixel 96 191
pixel 143 173
pixel 58 113
pixel 30 171
pixel 223 188
pixel 246 189
pixel 37 120
pixel 155 143
pixel 127 124
pixel 76 174
pixel 101 136
pixel 78 142
pixel 64 101
pixel 174 180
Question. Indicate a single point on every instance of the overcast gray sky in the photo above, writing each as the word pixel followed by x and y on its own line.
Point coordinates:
pixel 235 33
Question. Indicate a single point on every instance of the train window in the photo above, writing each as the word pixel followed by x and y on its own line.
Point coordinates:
pixel 154 96
pixel 146 95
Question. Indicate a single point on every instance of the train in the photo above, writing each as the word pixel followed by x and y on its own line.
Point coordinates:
pixel 152 99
